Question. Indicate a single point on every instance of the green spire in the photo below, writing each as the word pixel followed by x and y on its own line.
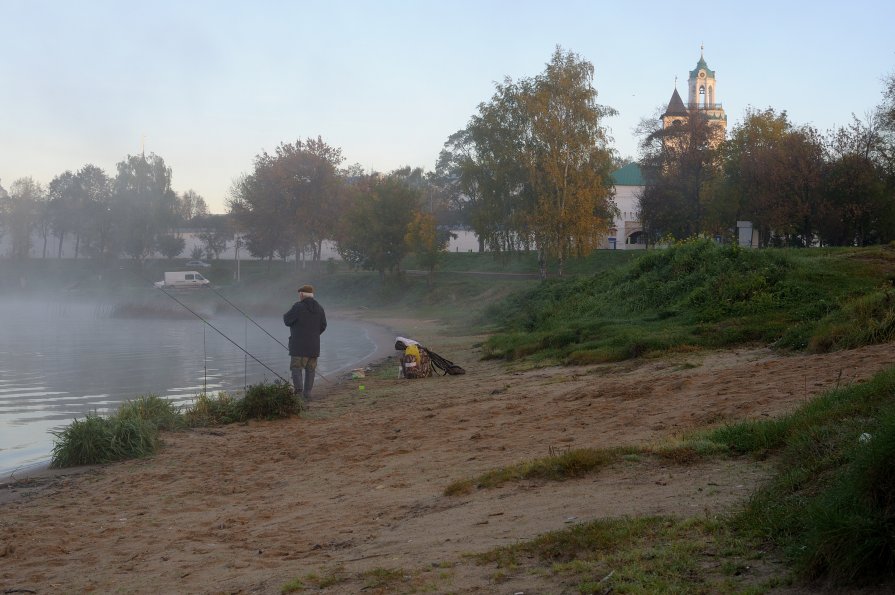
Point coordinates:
pixel 701 65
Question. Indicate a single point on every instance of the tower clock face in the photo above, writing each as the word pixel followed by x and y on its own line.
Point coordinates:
pixel 701 75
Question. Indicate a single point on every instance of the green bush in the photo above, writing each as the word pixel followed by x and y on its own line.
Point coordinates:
pixel 261 401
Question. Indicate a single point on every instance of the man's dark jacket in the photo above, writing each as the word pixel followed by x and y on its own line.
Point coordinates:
pixel 306 321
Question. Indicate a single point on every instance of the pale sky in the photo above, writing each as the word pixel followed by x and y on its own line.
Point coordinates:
pixel 211 83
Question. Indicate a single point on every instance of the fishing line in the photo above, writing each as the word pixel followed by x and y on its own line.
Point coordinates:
pixel 250 319
pixel 218 331
pixel 245 360
pixel 204 363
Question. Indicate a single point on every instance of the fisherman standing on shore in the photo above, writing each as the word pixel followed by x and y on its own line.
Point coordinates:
pixel 306 321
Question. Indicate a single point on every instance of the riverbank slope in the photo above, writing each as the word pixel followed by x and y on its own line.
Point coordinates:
pixel 351 495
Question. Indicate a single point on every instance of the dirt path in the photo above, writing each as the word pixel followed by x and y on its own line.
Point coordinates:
pixel 357 484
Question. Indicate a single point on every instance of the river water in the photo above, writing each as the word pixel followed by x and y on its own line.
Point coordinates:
pixel 60 361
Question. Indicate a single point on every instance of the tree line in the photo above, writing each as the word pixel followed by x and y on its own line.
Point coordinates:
pixel 136 213
pixel 532 169
pixel 300 195
pixel 555 193
pixel 796 186
pixel 292 201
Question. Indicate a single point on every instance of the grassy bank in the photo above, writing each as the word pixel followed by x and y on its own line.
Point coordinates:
pixel 699 295
pixel 611 306
pixel 133 430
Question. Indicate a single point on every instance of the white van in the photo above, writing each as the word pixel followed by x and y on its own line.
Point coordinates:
pixel 180 279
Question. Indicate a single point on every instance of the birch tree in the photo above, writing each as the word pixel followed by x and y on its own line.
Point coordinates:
pixel 569 159
pixel 535 163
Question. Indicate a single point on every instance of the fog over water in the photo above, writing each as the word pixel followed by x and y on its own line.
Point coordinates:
pixel 60 360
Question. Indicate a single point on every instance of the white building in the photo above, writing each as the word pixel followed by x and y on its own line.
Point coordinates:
pixel 626 232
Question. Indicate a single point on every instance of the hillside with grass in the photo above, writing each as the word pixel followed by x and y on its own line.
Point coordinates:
pixel 697 295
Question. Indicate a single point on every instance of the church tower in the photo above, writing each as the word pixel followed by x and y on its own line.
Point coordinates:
pixel 703 92
pixel 702 98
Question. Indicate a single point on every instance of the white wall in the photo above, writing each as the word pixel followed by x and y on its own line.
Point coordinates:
pixel 627 199
pixel 465 242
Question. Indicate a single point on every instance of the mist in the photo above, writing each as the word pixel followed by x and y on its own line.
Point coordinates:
pixel 62 357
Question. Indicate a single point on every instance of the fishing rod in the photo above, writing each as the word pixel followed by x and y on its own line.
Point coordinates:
pixel 250 319
pixel 218 331
pixel 213 327
pixel 238 309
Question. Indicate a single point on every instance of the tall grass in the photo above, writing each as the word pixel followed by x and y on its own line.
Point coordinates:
pixel 831 506
pixel 867 319
pixel 269 401
pixel 261 401
pixel 153 408
pixel 96 440
pixel 133 431
pixel 851 534
pixel 211 410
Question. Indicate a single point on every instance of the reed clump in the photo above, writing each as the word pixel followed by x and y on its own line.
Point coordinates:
pixel 211 410
pixel 261 401
pixel 133 430
pixel 97 439
pixel 152 408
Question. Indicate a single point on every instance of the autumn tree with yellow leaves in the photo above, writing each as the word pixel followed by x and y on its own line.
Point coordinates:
pixel 535 163
pixel 569 160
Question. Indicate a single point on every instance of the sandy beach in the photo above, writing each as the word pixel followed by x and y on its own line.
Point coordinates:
pixel 356 484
